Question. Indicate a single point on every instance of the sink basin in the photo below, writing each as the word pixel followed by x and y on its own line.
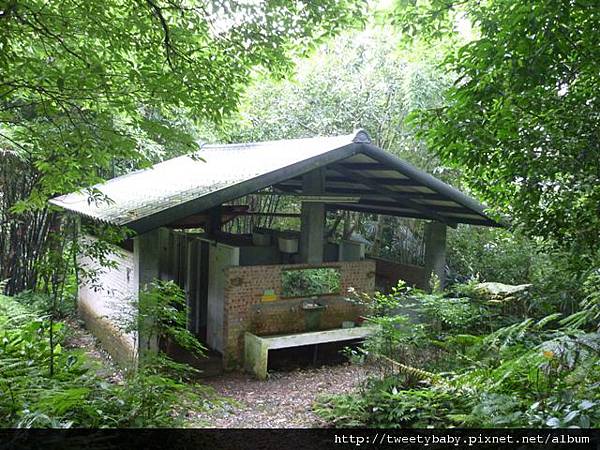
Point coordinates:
pixel 312 305
pixel 312 314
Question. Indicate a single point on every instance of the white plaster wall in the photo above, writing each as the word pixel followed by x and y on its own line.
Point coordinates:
pixel 220 257
pixel 105 301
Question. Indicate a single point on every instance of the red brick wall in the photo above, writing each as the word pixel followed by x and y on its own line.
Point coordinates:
pixel 245 310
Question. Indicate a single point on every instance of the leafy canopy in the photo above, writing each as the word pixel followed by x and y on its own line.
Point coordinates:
pixel 85 83
pixel 523 116
pixel 357 79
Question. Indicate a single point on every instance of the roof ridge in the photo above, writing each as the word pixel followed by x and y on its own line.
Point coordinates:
pixel 361 136
pixel 224 146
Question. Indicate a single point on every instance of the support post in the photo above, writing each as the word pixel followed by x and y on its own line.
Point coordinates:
pixel 312 217
pixel 435 252
pixel 191 286
pixel 256 355
pixel 215 220
pixel 146 250
pixel 167 254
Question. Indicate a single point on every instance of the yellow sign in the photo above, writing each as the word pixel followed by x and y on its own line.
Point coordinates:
pixel 269 296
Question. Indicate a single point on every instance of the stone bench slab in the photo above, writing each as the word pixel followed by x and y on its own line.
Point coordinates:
pixel 256 348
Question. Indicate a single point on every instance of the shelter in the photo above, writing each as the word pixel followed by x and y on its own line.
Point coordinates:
pixel 236 284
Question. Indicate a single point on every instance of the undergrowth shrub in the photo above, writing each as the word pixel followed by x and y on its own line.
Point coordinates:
pixel 387 403
pixel 490 254
pixel 158 394
pixel 459 359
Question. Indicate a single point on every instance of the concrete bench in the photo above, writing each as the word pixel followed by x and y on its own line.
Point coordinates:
pixel 256 348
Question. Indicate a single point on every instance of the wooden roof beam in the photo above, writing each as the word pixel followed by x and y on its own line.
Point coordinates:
pixel 442 208
pixel 365 209
pixel 382 181
pixel 369 182
pixel 365 166
pixel 292 190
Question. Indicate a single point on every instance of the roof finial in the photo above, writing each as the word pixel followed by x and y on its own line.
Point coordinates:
pixel 361 137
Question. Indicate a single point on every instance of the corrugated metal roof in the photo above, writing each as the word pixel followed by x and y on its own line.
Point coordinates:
pixel 179 180
pixel 182 186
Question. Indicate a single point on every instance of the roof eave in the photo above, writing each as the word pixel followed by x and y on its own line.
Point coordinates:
pixel 430 181
pixel 247 187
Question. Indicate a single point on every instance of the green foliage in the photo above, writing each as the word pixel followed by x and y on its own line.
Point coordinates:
pixel 159 393
pixel 464 361
pixel 459 311
pixel 78 94
pixel 29 397
pixel 94 89
pixel 386 404
pixel 310 282
pixel 588 314
pixel 162 315
pixel 489 254
pixel 354 80
pixel 457 314
pixel 560 280
pixel 38 301
pixel 521 120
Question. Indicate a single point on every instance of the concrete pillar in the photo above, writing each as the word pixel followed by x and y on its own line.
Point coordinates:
pixel 214 222
pixel 221 257
pixel 192 280
pixel 435 252
pixel 312 217
pixel 147 251
pixel 165 258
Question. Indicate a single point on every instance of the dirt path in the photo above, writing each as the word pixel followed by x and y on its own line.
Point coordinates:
pixel 284 401
pixel 79 337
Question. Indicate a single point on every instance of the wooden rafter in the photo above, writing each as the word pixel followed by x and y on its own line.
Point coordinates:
pixel 294 190
pixel 364 166
pixel 371 183
pixel 388 212
pixel 382 181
